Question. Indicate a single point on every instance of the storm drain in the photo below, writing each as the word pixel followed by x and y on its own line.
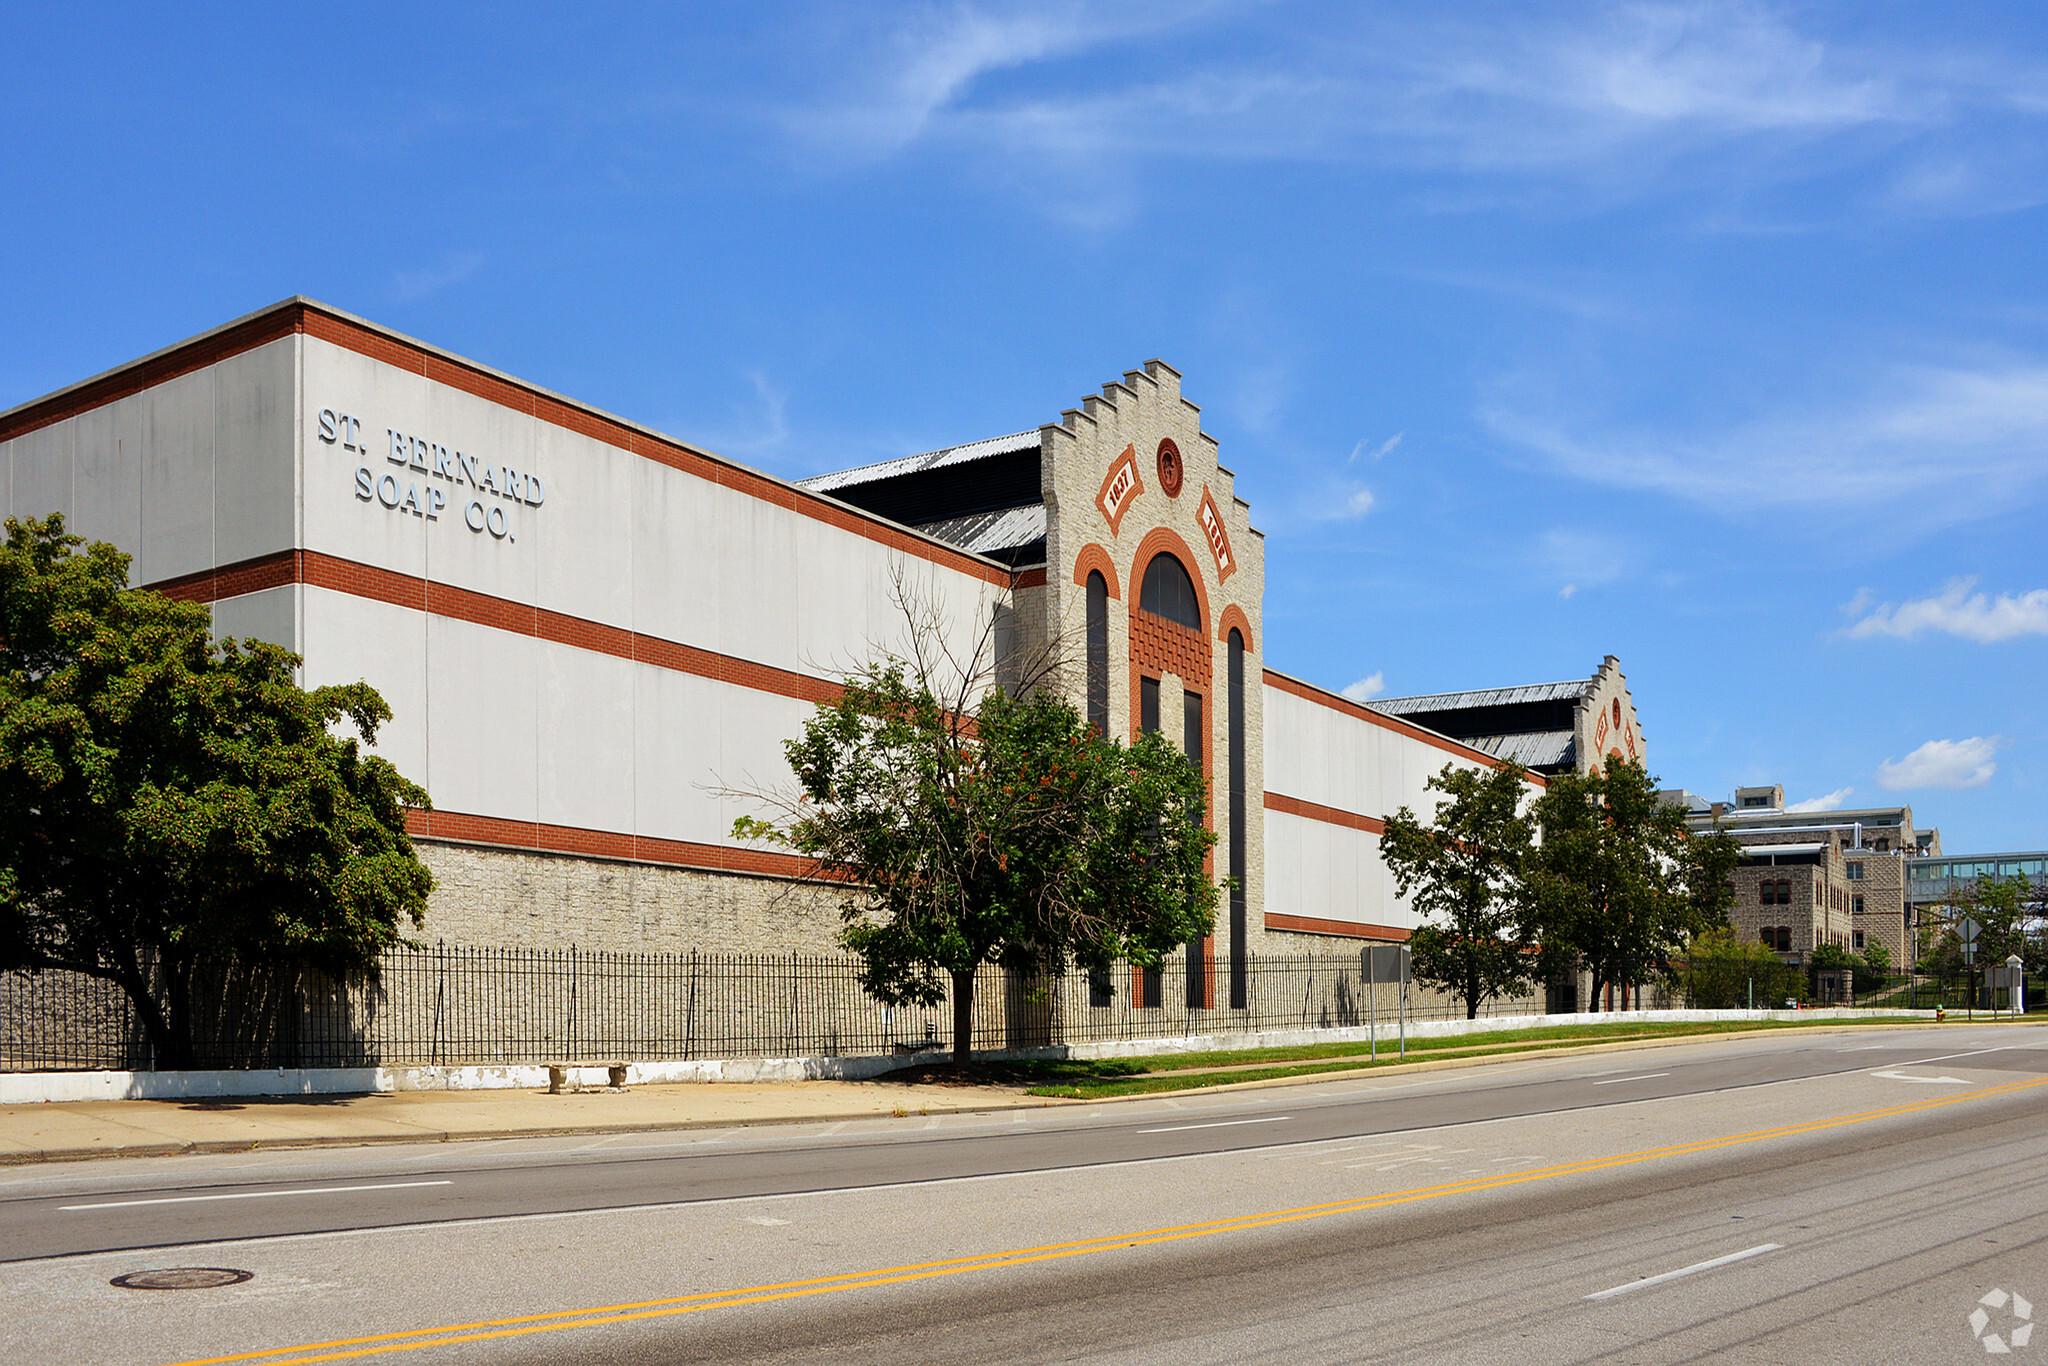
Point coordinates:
pixel 182 1278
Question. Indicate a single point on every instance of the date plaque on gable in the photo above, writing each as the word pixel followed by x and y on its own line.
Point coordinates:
pixel 1214 532
pixel 1120 488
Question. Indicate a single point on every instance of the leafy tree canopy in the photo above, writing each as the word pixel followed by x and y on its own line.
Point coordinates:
pixel 990 828
pixel 166 798
pixel 1619 882
pixel 1723 972
pixel 1465 874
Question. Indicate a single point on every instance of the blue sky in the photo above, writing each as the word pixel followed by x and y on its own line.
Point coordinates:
pixel 1713 336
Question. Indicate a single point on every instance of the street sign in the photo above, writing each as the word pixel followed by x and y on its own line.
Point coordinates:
pixel 1969 929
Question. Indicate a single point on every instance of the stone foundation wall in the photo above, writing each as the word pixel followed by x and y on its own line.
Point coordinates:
pixel 521 899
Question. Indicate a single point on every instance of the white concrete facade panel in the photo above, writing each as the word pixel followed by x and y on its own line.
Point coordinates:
pixel 271 615
pixel 106 495
pixel 585 751
pixel 483 714
pixel 347 639
pixel 254 479
pixel 178 479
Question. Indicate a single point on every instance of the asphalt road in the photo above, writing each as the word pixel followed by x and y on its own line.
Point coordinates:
pixel 1879 1182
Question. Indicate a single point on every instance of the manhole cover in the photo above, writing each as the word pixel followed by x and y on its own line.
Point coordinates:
pixel 182 1278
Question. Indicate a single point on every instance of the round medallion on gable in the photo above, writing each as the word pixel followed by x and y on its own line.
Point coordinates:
pixel 1169 467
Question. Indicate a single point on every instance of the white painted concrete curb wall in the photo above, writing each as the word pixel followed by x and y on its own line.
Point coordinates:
pixel 29 1088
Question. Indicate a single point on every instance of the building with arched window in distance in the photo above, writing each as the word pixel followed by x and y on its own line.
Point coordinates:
pixel 591 633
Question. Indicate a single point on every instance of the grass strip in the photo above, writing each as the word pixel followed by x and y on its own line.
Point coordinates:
pixel 1107 1078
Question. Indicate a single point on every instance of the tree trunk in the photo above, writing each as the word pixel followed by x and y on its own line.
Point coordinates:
pixel 963 1017
pixel 1472 997
pixel 175 1052
pixel 169 1046
pixel 1593 1001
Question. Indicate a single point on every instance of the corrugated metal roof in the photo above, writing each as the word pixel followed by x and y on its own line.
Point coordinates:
pixel 1532 749
pixel 930 460
pixel 984 533
pixel 1484 697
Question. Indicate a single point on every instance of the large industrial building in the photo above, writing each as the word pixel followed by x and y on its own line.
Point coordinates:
pixel 592 635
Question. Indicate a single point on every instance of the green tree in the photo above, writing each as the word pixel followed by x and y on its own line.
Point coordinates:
pixel 167 800
pixel 1878 959
pixel 989 828
pixel 1464 871
pixel 1723 972
pixel 1618 882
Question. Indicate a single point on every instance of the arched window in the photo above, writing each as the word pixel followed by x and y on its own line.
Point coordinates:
pixel 1168 592
pixel 1098 653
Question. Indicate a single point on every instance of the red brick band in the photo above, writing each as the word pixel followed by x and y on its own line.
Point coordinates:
pixel 1348 929
pixel 462 828
pixel 1328 815
pixel 424 595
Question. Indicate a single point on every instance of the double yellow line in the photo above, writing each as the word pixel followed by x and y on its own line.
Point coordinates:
pixel 344 1349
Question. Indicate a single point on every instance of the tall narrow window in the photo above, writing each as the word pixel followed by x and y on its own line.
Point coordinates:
pixel 1151 988
pixel 1238 964
pixel 1098 653
pixel 1194 743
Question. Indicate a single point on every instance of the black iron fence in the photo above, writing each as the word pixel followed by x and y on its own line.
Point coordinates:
pixel 454 1006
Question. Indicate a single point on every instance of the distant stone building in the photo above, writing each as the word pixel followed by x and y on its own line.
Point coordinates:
pixel 1853 892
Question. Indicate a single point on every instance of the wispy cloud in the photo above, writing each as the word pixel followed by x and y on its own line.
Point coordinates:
pixel 1943 763
pixel 916 81
pixel 1831 802
pixel 1958 612
pixel 454 268
pixel 1582 558
pixel 1339 501
pixel 1948 443
pixel 1624 98
pixel 1379 452
pixel 1368 687
pixel 757 424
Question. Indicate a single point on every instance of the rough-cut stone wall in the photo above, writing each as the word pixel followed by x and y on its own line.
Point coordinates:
pixel 1883 889
pixel 520 899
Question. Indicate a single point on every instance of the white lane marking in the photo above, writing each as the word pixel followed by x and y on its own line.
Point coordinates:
pixel 1217 1124
pixel 254 1195
pixel 1693 1270
pixel 1642 1077
pixel 1903 1076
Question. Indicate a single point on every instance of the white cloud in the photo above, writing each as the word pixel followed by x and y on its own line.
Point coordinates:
pixel 1944 444
pixel 1340 502
pixel 1568 590
pixel 1943 763
pixel 408 285
pixel 1831 802
pixel 1959 612
pixel 1378 453
pixel 1368 687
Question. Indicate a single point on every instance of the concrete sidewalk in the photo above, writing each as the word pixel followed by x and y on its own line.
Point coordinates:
pixel 150 1128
